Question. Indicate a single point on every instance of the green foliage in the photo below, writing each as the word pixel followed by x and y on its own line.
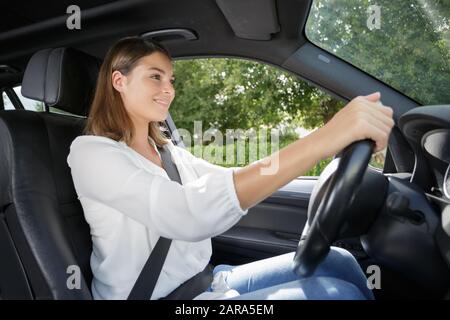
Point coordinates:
pixel 231 93
pixel 410 51
pixel 39 106
pixel 225 162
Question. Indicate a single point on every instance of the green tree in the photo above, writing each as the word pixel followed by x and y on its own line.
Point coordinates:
pixel 410 51
pixel 231 93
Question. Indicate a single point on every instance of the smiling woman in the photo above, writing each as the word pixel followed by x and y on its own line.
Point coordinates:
pixel 152 80
pixel 141 206
pixel 114 110
pixel 101 203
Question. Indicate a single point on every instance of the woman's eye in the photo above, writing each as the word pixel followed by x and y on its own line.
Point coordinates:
pixel 155 76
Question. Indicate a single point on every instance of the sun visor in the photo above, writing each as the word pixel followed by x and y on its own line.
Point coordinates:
pixel 251 19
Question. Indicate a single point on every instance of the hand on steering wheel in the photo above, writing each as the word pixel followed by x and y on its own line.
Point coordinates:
pixel 366 121
pixel 338 195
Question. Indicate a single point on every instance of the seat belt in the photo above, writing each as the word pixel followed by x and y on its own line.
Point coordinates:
pixel 146 282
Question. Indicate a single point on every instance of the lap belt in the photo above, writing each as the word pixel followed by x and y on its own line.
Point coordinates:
pixel 146 282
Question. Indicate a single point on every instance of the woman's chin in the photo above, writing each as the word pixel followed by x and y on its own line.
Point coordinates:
pixel 165 115
pixel 160 117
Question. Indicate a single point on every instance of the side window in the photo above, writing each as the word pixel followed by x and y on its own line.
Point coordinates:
pixel 232 112
pixel 7 104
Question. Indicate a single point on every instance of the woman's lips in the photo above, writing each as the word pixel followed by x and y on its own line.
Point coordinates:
pixel 162 103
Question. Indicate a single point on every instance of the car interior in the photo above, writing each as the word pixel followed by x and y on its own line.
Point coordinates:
pixel 398 218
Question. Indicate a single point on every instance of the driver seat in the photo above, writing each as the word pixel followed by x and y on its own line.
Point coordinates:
pixel 45 242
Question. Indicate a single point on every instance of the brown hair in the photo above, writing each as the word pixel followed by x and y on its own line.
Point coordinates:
pixel 108 116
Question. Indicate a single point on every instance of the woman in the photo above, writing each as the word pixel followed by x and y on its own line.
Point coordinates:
pixel 129 201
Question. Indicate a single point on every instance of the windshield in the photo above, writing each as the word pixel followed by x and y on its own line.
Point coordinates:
pixel 405 44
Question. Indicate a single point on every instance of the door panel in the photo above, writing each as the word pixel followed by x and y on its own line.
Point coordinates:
pixel 270 228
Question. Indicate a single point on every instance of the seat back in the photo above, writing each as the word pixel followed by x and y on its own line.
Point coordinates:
pixel 45 242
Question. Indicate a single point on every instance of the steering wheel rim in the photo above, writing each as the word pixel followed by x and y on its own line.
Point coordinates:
pixel 330 216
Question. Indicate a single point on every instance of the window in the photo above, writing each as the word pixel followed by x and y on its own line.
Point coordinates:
pixel 405 44
pixel 7 104
pixel 233 112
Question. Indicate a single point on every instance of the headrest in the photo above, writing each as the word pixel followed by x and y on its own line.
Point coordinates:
pixel 62 77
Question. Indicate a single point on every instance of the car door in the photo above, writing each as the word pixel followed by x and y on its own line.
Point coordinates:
pixel 270 228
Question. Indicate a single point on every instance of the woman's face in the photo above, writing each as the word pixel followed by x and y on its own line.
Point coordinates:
pixel 147 91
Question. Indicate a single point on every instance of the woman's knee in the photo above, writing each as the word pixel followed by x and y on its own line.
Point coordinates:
pixel 222 267
pixel 341 257
pixel 336 251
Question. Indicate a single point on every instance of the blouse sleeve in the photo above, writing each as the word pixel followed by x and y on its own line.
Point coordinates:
pixel 194 211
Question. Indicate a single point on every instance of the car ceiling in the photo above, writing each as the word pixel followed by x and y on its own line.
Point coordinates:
pixel 28 26
pixel 103 22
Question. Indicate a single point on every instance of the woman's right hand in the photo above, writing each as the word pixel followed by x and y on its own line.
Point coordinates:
pixel 362 118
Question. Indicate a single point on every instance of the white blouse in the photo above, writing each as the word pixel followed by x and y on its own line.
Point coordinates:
pixel 129 202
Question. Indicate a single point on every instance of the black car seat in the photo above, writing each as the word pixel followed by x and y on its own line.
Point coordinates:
pixel 44 238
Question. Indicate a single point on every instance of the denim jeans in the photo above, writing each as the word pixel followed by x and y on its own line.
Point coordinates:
pixel 338 277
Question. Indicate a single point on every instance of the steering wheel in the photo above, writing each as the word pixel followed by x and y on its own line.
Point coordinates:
pixel 330 201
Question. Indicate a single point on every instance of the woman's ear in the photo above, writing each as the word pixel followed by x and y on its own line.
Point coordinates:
pixel 118 80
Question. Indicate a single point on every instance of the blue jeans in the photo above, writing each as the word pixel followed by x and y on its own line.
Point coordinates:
pixel 337 277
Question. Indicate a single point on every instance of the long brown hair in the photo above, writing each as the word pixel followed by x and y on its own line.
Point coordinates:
pixel 108 116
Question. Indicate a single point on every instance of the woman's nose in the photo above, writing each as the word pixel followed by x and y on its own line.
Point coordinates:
pixel 169 89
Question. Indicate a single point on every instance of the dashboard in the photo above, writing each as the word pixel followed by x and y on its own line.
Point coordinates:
pixel 411 234
pixel 428 131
